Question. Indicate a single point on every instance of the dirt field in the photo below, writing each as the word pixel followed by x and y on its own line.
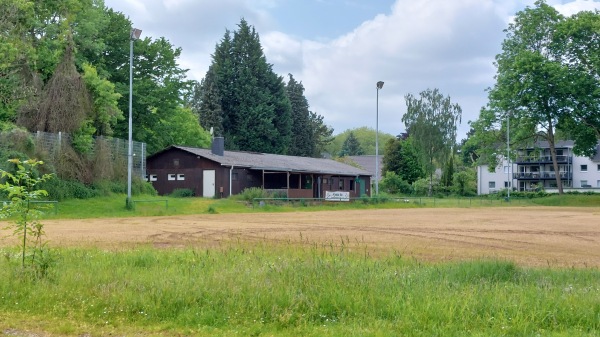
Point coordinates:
pixel 541 236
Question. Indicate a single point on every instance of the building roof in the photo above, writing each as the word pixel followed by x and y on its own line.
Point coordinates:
pixel 367 162
pixel 275 162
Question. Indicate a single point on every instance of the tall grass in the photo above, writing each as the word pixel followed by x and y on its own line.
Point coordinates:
pixel 313 290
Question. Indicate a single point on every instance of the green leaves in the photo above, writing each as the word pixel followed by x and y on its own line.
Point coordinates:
pixel 241 87
pixel 547 81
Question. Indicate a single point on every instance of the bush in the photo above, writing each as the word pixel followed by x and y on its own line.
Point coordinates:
pixel 68 189
pixel 182 193
pixel 394 184
pixel 249 194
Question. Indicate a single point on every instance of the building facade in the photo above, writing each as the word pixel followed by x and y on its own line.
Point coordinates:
pixel 533 170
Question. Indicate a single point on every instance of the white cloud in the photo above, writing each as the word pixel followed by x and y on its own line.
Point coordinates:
pixel 577 6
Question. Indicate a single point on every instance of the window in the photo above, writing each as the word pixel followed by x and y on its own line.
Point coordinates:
pixel 250 178
pixel 492 184
pixel 559 152
pixel 234 176
pixel 171 176
pixel 583 168
pixel 506 184
pixel 324 180
pixel 598 167
pixel 181 176
pixel 584 183
pixel 507 169
pixel 153 177
pixel 598 183
pixel 341 184
pixel 351 185
pixel 176 162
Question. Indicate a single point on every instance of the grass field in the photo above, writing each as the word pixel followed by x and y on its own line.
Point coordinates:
pixel 330 270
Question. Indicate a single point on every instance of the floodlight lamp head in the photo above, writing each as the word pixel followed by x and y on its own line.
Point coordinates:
pixel 135 34
pixel 379 84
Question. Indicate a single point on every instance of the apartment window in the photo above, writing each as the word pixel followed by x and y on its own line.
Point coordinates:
pixel 598 167
pixel 584 183
pixel 583 168
pixel 507 169
pixel 492 184
pixel 181 176
pixel 506 184
pixel 153 177
pixel 341 184
pixel 598 183
pixel 171 176
pixel 559 152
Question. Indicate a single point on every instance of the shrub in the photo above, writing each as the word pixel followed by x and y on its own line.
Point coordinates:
pixel 394 184
pixel 249 194
pixel 182 193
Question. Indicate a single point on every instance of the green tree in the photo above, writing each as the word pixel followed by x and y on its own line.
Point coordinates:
pixel 366 137
pixel 447 178
pixel 256 108
pixel 321 134
pixel 159 88
pixel 578 40
pixel 21 188
pixel 183 129
pixel 431 120
pixel 542 86
pixel 351 147
pixel 401 158
pixel 303 143
pixel 394 184
pixel 465 182
pixel 206 103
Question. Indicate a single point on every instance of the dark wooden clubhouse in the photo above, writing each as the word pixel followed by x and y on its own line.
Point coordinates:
pixel 215 172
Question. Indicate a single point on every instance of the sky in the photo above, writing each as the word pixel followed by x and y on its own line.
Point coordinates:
pixel 340 49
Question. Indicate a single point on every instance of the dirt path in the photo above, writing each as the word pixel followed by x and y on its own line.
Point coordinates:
pixel 535 236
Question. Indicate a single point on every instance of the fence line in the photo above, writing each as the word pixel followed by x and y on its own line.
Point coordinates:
pixel 119 147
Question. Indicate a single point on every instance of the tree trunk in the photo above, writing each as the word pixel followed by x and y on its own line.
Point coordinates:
pixel 554 159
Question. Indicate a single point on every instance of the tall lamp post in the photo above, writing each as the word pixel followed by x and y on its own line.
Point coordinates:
pixel 134 35
pixel 508 165
pixel 379 86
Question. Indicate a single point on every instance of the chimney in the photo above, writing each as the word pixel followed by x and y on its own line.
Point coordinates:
pixel 218 146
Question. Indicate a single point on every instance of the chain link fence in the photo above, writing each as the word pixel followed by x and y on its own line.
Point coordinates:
pixel 52 142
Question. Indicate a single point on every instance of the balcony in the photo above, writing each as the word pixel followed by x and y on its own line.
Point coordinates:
pixel 543 159
pixel 541 175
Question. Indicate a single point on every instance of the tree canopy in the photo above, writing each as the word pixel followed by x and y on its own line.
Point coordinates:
pixel 431 121
pixel 546 83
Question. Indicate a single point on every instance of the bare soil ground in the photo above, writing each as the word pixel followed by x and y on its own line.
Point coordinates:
pixel 532 236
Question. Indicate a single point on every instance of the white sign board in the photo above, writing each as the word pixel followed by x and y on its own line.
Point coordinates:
pixel 337 196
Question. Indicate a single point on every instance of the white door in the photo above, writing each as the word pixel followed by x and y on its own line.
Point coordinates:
pixel 208 186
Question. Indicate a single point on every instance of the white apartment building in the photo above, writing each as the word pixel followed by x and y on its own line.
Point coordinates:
pixel 532 169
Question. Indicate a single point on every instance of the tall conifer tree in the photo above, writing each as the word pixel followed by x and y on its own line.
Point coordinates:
pixel 256 112
pixel 303 143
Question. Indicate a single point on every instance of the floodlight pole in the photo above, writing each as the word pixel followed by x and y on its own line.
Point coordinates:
pixel 134 35
pixel 379 86
pixel 508 166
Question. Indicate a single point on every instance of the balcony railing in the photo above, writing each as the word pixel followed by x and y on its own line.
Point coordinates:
pixel 543 159
pixel 541 175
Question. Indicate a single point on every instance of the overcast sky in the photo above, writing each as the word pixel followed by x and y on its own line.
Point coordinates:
pixel 339 49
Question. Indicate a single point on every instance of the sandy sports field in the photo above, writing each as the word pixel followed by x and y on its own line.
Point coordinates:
pixel 532 236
